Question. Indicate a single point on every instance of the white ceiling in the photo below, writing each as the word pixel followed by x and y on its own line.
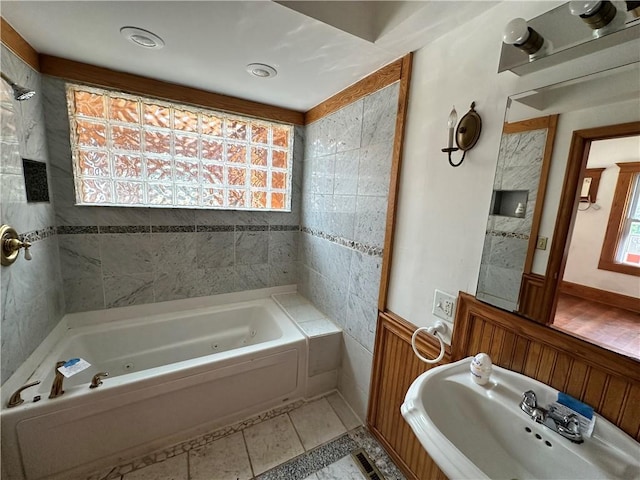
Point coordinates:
pixel 317 53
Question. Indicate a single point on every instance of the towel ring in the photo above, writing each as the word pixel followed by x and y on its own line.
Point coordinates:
pixel 436 330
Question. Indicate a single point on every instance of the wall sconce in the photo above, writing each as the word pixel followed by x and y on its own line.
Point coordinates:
pixel 519 34
pixel 598 15
pixel 467 133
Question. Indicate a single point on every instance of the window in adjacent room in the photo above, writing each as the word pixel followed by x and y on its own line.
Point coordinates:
pixel 621 247
pixel 134 151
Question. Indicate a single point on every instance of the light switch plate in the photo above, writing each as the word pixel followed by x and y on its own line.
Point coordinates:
pixel 444 305
pixel 541 244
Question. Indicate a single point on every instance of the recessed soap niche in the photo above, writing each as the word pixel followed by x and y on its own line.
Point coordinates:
pixel 509 203
pixel 35 181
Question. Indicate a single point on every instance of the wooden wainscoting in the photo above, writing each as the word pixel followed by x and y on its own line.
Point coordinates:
pixel 395 368
pixel 531 291
pixel 605 380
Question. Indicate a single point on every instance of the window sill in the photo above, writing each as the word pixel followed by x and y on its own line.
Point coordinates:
pixel 619 268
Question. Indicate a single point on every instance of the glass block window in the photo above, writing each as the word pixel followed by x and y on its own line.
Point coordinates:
pixel 141 152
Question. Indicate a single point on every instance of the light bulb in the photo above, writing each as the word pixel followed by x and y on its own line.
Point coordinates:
pixel 453 118
pixel 451 123
pixel 516 32
pixel 583 7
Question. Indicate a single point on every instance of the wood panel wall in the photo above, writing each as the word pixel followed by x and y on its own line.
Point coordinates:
pixel 395 367
pixel 531 292
pixel 605 380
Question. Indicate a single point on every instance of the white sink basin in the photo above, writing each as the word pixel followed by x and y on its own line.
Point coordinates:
pixel 475 432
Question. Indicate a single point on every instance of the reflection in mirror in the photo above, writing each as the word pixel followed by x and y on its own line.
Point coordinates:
pixel 607 103
pixel 516 203
pixel 599 296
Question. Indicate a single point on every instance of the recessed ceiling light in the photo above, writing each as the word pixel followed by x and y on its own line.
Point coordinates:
pixel 142 38
pixel 261 70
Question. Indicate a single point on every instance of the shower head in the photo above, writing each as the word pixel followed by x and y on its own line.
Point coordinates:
pixel 19 93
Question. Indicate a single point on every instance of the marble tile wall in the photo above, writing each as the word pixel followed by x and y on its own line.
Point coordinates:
pixel 113 257
pixel 31 293
pixel 347 166
pixel 506 240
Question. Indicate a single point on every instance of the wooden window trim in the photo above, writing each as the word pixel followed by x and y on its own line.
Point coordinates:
pixel 619 206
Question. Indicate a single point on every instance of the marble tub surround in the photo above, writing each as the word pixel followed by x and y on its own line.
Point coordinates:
pixel 113 266
pixel 313 433
pixel 312 321
pixel 347 166
pixel 325 340
pixel 32 300
pixel 129 256
pixel 506 241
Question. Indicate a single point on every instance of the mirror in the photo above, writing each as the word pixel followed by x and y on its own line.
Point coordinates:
pixel 600 107
pixel 516 203
pixel 600 283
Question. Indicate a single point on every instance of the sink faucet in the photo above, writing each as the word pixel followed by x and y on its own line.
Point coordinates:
pixel 529 402
pixel 566 425
pixel 56 386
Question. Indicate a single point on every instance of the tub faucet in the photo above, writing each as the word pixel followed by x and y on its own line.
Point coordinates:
pixel 56 386
pixel 96 381
pixel 566 425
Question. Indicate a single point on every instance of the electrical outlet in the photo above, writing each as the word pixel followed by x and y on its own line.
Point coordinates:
pixel 444 305
pixel 541 244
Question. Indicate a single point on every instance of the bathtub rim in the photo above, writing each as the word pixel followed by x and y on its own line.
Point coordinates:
pixel 80 319
pixel 288 334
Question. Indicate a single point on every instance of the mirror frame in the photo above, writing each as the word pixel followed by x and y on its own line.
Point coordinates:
pixel 569 199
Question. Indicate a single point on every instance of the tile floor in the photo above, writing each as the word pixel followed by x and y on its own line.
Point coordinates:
pixel 311 442
pixel 345 468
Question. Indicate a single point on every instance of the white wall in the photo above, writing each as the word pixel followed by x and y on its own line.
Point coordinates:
pixel 567 123
pixel 591 224
pixel 443 210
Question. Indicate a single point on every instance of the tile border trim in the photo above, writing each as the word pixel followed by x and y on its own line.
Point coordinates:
pixel 498 233
pixel 39 234
pixel 124 229
pixel 345 242
pixel 118 229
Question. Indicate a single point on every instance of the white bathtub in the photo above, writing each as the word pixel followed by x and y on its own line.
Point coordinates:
pixel 172 376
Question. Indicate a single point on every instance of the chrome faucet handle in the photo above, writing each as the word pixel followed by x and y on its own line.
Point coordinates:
pixel 529 402
pixel 570 429
pixel 16 399
pixel 96 381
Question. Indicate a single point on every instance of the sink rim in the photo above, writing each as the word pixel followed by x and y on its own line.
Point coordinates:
pixel 456 464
